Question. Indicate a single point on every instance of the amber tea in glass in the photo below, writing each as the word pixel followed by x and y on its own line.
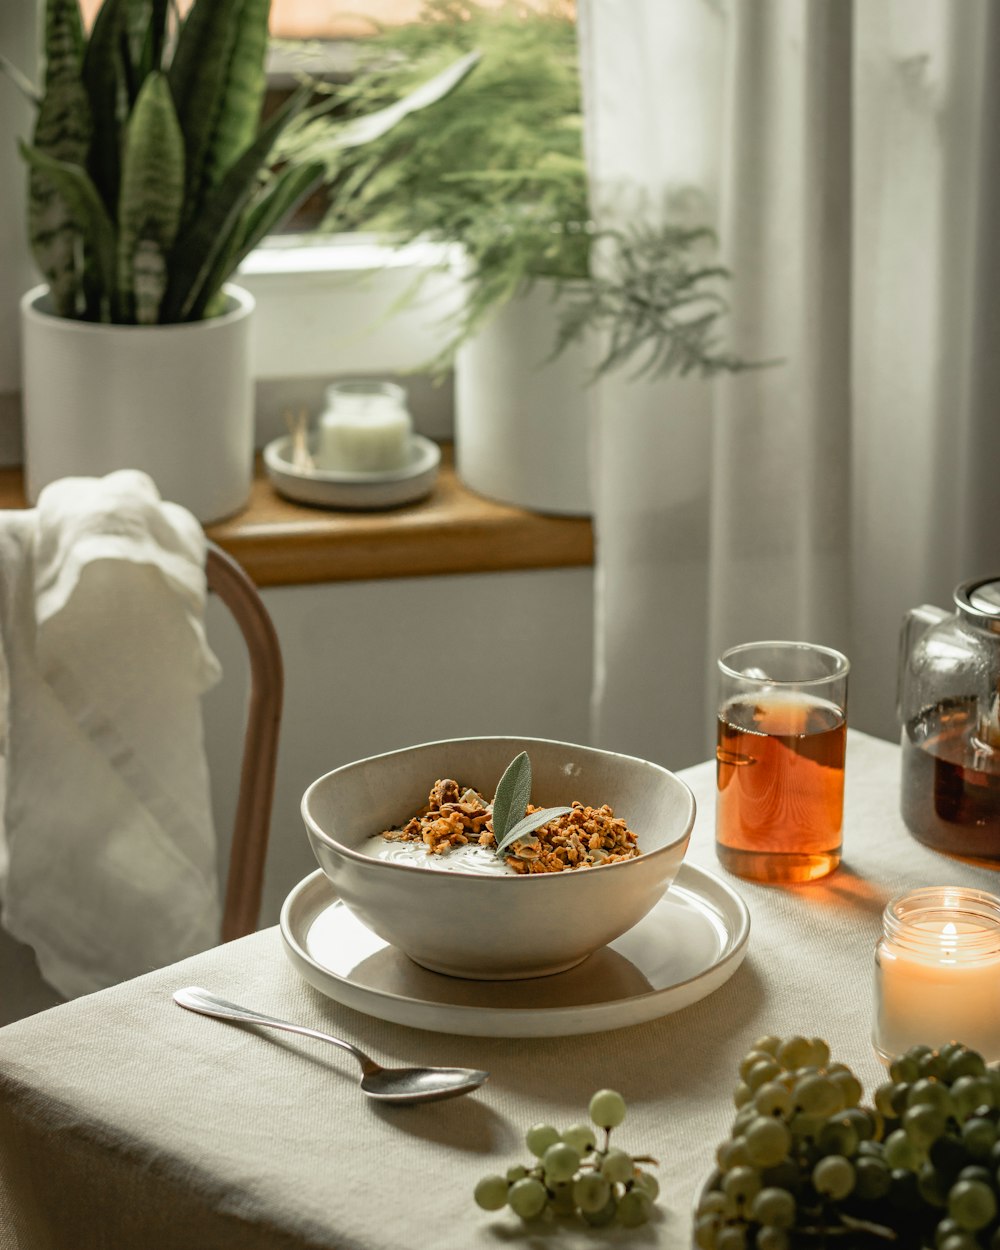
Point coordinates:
pixel 782 734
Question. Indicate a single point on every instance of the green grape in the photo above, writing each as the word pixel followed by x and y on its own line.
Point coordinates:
pixel 950 1049
pixel 820 1055
pixel 945 1228
pixel 775 1207
pixel 872 1177
pixel 742 1094
pixel 742 1185
pixel 849 1085
pixel 903 1193
pixel 732 1154
pixel 617 1166
pixel 560 1162
pixel 883 1098
pixel 932 1185
pixel 591 1192
pixel 540 1137
pixel 969 1093
pixel 900 1151
pixel 491 1193
pixel 965 1063
pixel 732 1237
pixel 949 1155
pixel 784 1175
pixel 922 1124
pixel 930 1093
pixel 607 1213
pixel 833 1177
pixel 527 1198
pixel 761 1073
pixel 562 1201
pixel 919 1051
pixel 607 1108
pixel 979 1136
pixel 634 1209
pixel 806 1127
pixel 837 1137
pixel 817 1095
pixel 580 1137
pixel 516 1172
pixel 864 1121
pixel 972 1205
pixel 706 1229
pixel 794 1052
pixel 744 1117
pixel 715 1202
pixel 767 1141
pixel 904 1069
pixel 975 1173
pixel 752 1057
pixel 770 1238
pixel 773 1099
pixel 767 1044
pixel 648 1183
pixel 960 1241
pixel 932 1065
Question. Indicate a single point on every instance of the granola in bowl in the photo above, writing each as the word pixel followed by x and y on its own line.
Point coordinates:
pixel 584 837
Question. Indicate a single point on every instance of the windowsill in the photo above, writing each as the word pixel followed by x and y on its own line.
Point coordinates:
pixel 281 543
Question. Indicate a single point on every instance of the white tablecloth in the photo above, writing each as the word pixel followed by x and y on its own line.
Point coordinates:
pixel 126 1122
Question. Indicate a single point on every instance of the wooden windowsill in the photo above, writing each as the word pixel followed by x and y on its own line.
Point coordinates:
pixel 451 531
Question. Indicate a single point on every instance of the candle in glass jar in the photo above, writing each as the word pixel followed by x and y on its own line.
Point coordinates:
pixel 365 428
pixel 937 972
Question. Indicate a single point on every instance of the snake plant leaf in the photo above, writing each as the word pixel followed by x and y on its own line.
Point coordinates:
pixel 199 245
pixel 104 78
pixel 21 81
pixel 88 214
pixel 217 77
pixel 512 795
pixel 151 200
pixel 62 133
pixel 265 214
pixel 531 822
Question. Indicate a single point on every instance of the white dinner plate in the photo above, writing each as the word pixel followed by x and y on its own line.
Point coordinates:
pixel 325 488
pixel 691 942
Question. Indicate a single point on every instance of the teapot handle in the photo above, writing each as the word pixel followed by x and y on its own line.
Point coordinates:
pixel 916 623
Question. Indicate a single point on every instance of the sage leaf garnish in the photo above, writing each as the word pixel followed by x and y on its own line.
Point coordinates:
pixel 511 802
pixel 511 799
pixel 529 824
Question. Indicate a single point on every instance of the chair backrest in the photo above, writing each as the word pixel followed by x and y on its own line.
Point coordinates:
pixel 245 879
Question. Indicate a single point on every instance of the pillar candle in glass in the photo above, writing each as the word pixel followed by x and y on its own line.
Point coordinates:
pixel 366 428
pixel 937 972
pixel 782 734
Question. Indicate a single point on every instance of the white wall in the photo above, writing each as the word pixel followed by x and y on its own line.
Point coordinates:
pixel 372 666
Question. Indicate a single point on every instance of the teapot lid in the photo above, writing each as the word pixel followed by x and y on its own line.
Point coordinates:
pixel 979 602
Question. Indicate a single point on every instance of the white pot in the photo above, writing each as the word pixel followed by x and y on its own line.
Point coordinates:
pixel 522 422
pixel 173 400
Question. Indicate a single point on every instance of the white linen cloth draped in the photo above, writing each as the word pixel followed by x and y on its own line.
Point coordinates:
pixel 847 155
pixel 107 848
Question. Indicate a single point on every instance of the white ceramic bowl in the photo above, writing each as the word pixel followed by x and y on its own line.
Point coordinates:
pixel 491 927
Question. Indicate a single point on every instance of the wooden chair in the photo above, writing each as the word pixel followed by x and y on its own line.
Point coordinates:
pixel 245 877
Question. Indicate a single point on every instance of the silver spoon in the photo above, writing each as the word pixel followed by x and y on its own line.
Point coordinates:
pixel 397 1085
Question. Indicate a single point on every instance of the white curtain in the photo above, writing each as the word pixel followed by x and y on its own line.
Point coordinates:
pixel 848 155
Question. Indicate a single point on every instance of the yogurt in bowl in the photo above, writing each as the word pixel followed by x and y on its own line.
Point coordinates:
pixel 496 925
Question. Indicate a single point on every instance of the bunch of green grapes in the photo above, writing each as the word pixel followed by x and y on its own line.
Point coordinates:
pixel 807 1165
pixel 573 1175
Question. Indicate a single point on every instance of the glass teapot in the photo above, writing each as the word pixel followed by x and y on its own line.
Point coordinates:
pixel 949 709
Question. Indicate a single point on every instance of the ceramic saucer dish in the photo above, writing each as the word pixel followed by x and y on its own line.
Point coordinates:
pixel 326 489
pixel 690 943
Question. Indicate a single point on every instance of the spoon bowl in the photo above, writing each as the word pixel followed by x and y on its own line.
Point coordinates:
pixel 401 1086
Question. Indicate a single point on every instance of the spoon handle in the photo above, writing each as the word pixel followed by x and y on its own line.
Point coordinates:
pixel 194 998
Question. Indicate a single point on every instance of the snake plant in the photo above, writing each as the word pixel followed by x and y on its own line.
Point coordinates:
pixel 152 173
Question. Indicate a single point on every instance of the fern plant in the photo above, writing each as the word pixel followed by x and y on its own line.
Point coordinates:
pixel 152 172
pixel 499 169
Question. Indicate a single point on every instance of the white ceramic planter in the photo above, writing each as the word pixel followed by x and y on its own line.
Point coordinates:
pixel 522 422
pixel 173 400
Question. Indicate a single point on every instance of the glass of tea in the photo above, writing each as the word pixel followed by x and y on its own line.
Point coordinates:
pixel 779 770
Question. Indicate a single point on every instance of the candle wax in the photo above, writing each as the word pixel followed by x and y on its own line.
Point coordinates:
pixel 369 435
